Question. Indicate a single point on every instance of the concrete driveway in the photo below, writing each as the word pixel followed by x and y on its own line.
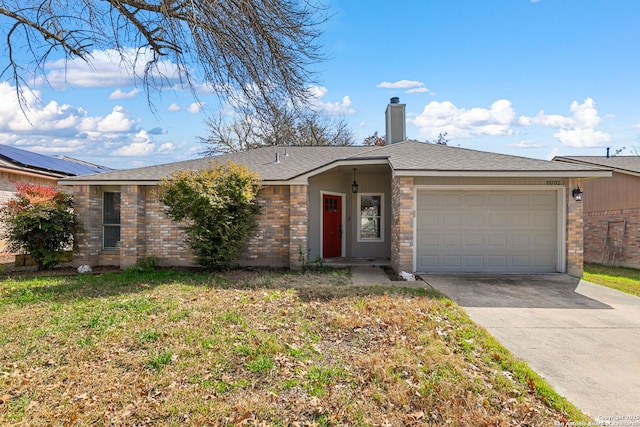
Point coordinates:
pixel 582 338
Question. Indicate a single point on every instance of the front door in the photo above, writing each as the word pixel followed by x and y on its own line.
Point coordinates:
pixel 331 226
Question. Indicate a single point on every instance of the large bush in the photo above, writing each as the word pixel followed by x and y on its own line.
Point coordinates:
pixel 216 208
pixel 40 221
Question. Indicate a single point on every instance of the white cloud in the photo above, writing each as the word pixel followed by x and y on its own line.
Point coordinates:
pixel 439 117
pixel 331 108
pixel 412 86
pixel 419 90
pixel 401 84
pixel 577 130
pixel 582 137
pixel 167 147
pixel 107 68
pixel 141 146
pixel 173 107
pixel 527 144
pixel 119 94
pixel 116 121
pixel 56 128
pixel 195 107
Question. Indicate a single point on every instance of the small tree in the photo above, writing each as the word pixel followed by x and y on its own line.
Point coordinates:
pixel 39 220
pixel 217 207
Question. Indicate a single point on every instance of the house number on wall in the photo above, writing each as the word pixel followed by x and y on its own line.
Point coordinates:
pixel 554 182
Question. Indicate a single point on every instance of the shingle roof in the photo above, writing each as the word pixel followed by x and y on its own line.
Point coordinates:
pixel 622 163
pixel 407 156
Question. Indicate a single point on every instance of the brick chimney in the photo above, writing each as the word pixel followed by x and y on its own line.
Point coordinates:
pixel 396 129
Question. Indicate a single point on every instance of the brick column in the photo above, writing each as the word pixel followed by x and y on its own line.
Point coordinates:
pixel 132 241
pixel 298 224
pixel 574 232
pixel 402 214
pixel 87 205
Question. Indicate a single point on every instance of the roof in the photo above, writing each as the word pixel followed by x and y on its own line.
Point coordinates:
pixel 625 164
pixel 297 164
pixel 23 160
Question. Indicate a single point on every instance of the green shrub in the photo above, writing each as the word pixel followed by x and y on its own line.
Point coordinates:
pixel 39 221
pixel 217 209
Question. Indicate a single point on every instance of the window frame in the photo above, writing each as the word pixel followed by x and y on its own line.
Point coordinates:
pixel 106 225
pixel 381 216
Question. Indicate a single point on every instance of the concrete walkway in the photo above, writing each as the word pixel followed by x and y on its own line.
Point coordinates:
pixel 582 338
pixel 365 275
pixel 371 276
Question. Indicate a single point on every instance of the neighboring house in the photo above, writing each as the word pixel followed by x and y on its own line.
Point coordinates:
pixel 24 167
pixel 422 207
pixel 611 210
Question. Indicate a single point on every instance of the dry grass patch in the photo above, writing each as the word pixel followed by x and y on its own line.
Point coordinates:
pixel 265 348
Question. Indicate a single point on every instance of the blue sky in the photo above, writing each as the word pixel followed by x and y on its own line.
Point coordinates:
pixel 529 78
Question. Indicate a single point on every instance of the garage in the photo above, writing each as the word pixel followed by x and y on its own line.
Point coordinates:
pixel 487 231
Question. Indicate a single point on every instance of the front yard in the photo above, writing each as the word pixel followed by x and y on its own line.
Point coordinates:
pixel 264 348
pixel 619 278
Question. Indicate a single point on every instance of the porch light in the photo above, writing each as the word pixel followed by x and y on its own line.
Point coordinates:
pixel 577 194
pixel 354 186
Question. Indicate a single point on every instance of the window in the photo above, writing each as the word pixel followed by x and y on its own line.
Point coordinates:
pixel 370 223
pixel 111 220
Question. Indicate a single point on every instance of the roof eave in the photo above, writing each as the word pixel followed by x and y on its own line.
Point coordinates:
pixel 586 163
pixel 504 174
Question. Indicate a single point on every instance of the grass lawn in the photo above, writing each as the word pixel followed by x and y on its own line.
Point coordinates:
pixel 620 278
pixel 170 348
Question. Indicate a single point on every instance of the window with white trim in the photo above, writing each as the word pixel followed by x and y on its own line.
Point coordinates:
pixel 370 217
pixel 110 220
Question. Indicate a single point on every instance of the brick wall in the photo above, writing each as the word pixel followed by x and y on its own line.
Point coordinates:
pixel 87 204
pixel 298 224
pixel 402 214
pixel 269 244
pixel 163 238
pixel 595 231
pixel 574 234
pixel 147 231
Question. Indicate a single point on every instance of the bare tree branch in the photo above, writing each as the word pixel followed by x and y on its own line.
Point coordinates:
pixel 283 127
pixel 257 51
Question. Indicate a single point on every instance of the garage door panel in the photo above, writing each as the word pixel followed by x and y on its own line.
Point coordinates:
pixel 451 200
pixel 496 200
pixel 473 200
pixel 474 240
pixel 497 261
pixel 497 241
pixel 520 240
pixel 452 261
pixel 487 231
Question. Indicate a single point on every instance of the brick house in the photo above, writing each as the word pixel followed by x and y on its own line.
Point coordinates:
pixel 611 210
pixel 421 207
pixel 24 167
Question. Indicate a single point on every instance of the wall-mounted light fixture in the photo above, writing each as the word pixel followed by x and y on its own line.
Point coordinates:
pixel 577 194
pixel 354 186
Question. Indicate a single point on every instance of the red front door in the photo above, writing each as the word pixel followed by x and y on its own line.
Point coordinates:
pixel 331 226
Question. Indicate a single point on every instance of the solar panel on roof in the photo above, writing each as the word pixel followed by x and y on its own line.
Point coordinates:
pixel 40 161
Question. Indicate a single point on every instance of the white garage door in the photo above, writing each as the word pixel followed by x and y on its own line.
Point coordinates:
pixel 487 231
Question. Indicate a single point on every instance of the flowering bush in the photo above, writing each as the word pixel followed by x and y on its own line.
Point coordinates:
pixel 39 221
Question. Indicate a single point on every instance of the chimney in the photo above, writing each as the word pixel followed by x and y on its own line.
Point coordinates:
pixel 395 122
